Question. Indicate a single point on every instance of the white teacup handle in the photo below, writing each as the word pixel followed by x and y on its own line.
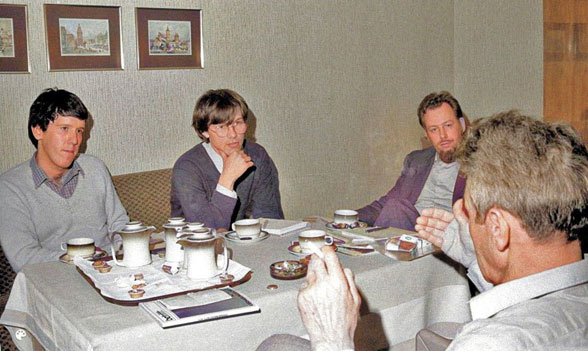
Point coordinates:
pixel 64 246
pixel 225 265
pixel 329 240
pixel 233 226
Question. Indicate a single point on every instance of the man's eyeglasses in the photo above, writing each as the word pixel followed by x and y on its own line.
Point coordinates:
pixel 222 130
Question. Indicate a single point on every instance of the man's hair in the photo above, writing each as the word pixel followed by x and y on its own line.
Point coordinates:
pixel 217 106
pixel 51 103
pixel 536 171
pixel 435 100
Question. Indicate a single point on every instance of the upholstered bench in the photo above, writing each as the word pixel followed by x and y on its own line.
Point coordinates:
pixel 146 195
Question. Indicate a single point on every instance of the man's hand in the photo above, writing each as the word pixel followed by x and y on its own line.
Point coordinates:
pixel 448 231
pixel 432 223
pixel 234 165
pixel 329 303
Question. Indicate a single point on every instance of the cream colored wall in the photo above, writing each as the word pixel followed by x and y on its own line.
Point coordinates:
pixel 333 85
pixel 498 58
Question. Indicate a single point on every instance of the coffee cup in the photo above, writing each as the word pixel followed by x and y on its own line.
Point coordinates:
pixel 313 237
pixel 247 228
pixel 79 247
pixel 346 216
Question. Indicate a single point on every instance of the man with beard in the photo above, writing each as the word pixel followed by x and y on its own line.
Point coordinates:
pixel 430 177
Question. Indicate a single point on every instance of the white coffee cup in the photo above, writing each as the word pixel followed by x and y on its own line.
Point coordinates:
pixel 247 228
pixel 313 237
pixel 84 247
pixel 346 216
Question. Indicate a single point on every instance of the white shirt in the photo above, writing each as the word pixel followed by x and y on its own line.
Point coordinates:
pixel 438 189
pixel 218 163
pixel 544 311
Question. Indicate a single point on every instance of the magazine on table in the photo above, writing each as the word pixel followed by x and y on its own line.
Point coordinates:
pixel 199 306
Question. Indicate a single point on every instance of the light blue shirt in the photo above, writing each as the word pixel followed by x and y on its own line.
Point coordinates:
pixel 543 311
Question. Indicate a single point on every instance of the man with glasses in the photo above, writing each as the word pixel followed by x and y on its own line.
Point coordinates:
pixel 225 178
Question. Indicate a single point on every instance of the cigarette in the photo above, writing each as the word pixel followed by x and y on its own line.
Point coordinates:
pixel 316 251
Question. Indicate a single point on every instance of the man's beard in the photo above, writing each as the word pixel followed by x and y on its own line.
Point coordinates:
pixel 448 156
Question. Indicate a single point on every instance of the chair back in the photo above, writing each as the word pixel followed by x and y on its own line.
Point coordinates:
pixel 146 195
pixel 7 276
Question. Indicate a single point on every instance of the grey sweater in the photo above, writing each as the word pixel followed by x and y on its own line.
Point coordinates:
pixel 194 194
pixel 35 221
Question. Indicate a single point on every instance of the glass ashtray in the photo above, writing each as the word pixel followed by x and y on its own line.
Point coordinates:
pixel 288 270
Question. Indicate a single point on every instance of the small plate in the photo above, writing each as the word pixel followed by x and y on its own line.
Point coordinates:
pixel 292 270
pixel 232 237
pixel 331 226
pixel 65 258
pixel 294 248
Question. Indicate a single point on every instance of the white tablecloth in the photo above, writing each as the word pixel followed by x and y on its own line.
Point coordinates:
pixel 56 304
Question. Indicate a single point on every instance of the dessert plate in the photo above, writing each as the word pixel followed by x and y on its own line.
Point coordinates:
pixel 295 250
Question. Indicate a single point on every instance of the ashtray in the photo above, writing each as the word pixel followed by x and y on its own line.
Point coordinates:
pixel 288 270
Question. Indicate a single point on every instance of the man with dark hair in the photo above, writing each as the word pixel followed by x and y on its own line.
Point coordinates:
pixel 526 208
pixel 225 178
pixel 430 177
pixel 58 194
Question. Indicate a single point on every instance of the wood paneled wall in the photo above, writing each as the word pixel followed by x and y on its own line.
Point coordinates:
pixel 566 63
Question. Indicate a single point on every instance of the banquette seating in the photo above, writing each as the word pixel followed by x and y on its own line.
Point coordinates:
pixel 146 195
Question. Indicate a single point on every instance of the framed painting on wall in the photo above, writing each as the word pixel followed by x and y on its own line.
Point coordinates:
pixel 14 56
pixel 83 37
pixel 169 38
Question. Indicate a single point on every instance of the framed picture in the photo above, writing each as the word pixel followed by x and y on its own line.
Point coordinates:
pixel 14 56
pixel 83 37
pixel 169 38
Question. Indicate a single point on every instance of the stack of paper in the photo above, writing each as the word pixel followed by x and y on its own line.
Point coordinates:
pixel 282 226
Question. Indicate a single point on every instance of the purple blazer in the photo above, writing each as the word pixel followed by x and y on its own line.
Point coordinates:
pixel 396 208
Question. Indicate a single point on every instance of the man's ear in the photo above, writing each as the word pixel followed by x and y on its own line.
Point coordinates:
pixel 37 132
pixel 499 228
pixel 463 124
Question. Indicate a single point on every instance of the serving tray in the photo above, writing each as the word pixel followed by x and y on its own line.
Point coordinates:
pixel 158 283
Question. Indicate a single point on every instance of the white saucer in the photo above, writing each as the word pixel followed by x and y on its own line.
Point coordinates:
pixel 295 250
pixel 232 237
pixel 65 258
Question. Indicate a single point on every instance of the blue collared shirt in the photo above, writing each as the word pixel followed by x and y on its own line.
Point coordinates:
pixel 68 183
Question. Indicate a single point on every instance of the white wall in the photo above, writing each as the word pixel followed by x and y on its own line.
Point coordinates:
pixel 334 86
pixel 499 56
